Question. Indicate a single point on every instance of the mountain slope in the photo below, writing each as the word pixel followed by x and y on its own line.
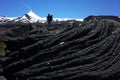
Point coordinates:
pixel 30 17
pixel 4 19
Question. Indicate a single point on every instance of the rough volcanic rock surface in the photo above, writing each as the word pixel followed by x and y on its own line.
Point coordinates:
pixel 116 18
pixel 87 52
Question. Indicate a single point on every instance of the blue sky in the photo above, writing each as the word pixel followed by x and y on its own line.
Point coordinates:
pixel 60 8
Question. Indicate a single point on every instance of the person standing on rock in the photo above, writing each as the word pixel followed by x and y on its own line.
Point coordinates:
pixel 49 19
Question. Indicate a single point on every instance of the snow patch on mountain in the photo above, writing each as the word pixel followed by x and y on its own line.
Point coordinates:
pixel 4 19
pixel 66 19
pixel 33 15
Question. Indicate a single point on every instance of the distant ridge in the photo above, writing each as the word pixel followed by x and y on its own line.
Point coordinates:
pixel 117 18
pixel 31 17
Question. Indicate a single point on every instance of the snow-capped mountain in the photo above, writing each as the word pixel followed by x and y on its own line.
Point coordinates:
pixel 31 17
pixel 4 19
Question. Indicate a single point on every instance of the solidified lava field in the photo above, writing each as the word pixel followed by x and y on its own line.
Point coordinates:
pixel 90 51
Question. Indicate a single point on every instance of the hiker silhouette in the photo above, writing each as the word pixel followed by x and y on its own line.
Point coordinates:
pixel 49 19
